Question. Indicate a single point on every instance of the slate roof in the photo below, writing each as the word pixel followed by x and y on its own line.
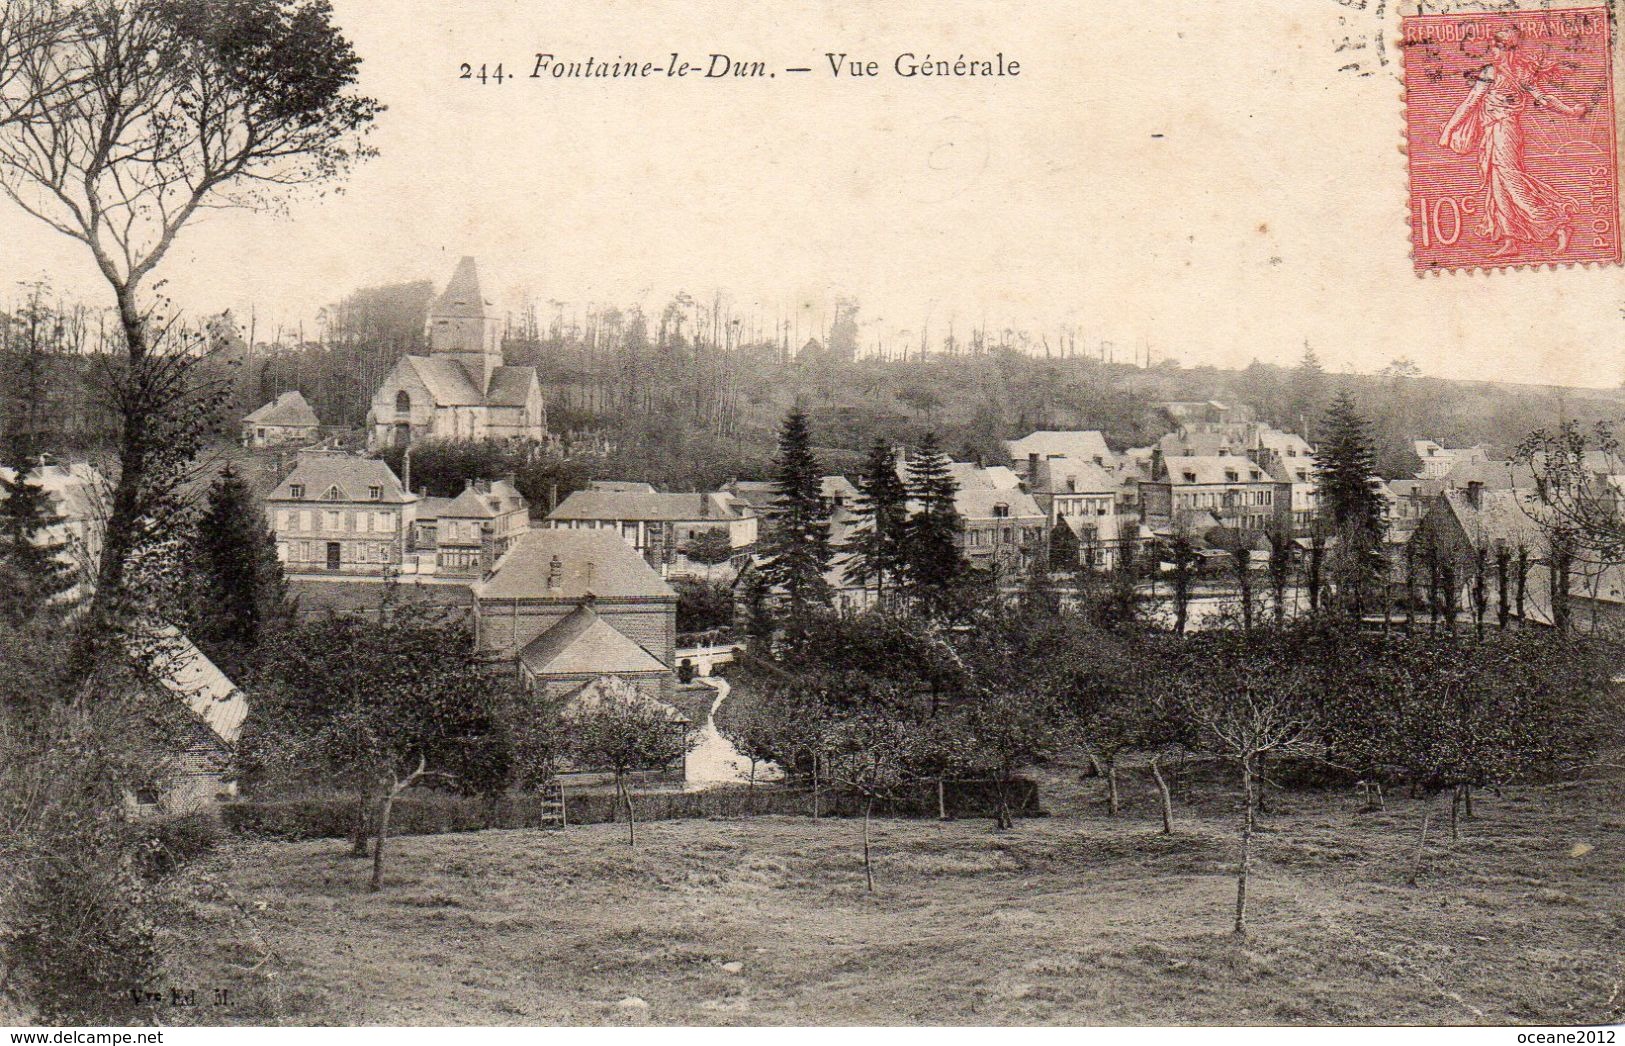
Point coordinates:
pixel 470 504
pixel 1213 470
pixel 510 386
pixel 1080 445
pixel 624 485
pixel 1089 478
pixel 590 561
pixel 1495 475
pixel 448 381
pixel 972 476
pixel 584 644
pixel 289 409
pixel 320 473
pixel 462 298
pixel 625 504
pixel 1507 516
pixel 977 503
pixel 186 672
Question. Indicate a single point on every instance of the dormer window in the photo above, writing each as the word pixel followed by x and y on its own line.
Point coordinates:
pixel 296 490
pixel 375 492
pixel 1231 475
pixel 1256 475
pixel 1001 511
pixel 333 494
pixel 1190 477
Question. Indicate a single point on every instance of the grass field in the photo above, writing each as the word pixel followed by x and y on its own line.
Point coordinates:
pixel 1074 918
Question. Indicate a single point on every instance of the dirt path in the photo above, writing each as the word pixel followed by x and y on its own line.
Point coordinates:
pixel 715 761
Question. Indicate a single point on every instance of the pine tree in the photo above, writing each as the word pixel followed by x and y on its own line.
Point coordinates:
pixel 241 592
pixel 34 571
pixel 878 543
pixel 798 553
pixel 1063 548
pixel 1350 506
pixel 1307 392
pixel 934 565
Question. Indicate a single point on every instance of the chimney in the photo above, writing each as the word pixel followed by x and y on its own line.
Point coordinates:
pixel 488 547
pixel 1032 463
pixel 555 573
pixel 1475 494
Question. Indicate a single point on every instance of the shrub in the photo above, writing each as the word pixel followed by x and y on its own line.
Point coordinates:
pixel 167 843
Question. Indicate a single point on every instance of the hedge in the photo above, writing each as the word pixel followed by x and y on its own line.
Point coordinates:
pixel 428 813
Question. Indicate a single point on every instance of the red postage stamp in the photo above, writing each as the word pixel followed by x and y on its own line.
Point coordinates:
pixel 1509 126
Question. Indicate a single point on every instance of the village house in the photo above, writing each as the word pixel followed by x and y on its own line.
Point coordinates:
pixel 1082 496
pixel 1437 461
pixel 289 419
pixel 340 514
pixel 834 493
pixel 566 607
pixel 462 389
pixel 1004 529
pixel 1235 490
pixel 464 535
pixel 662 526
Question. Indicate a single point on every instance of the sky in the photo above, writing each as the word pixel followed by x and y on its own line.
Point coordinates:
pixel 1210 181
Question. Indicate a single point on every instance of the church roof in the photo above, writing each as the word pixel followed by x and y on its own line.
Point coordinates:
pixel 510 386
pixel 462 298
pixel 584 644
pixel 448 381
pixel 290 408
pixel 598 562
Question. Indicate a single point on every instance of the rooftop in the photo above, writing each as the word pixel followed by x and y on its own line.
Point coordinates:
pixel 341 477
pixel 635 505
pixel 572 564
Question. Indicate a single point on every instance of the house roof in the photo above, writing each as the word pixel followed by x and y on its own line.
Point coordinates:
pixel 1506 516
pixel 984 477
pixel 289 409
pixel 978 503
pixel 832 487
pixel 462 298
pixel 625 485
pixel 624 505
pixel 186 672
pixel 1494 475
pixel 1192 443
pixel 76 490
pixel 1212 470
pixel 320 474
pixel 1080 445
pixel 593 693
pixel 470 504
pixel 588 561
pixel 583 643
pixel 1086 477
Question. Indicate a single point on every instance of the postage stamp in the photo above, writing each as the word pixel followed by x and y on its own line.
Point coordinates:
pixel 1509 129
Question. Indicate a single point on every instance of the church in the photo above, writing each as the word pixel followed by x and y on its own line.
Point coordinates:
pixel 461 390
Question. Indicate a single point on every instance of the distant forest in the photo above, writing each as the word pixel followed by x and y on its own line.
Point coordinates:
pixel 697 385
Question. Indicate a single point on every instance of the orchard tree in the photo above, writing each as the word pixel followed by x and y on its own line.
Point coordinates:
pixel 871 753
pixel 612 726
pixel 139 116
pixel 378 706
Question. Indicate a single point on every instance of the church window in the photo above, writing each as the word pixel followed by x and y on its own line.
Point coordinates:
pixel 403 402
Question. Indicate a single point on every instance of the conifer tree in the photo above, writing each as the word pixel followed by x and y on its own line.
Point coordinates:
pixel 934 565
pixel 1063 548
pixel 878 544
pixel 798 552
pixel 1307 392
pixel 241 591
pixel 34 571
pixel 1350 507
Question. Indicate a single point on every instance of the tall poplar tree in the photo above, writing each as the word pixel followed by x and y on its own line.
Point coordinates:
pixel 798 549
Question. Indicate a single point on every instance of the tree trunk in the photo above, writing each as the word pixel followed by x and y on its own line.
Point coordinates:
pixel 381 836
pixel 1111 786
pixel 1422 840
pixel 816 810
pixel 1167 796
pixel 1455 813
pixel 1246 847
pixel 358 831
pixel 1467 801
pixel 942 801
pixel 868 865
pixel 631 815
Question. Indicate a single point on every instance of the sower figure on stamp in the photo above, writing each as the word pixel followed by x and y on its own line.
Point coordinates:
pixel 1519 208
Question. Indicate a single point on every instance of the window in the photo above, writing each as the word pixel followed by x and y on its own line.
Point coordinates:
pixel 1190 477
pixel 403 402
pixel 296 490
pixel 383 522
pixel 1231 475
pixel 375 492
pixel 334 520
pixel 1001 511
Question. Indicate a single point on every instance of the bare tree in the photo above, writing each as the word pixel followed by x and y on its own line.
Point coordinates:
pixel 145 112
